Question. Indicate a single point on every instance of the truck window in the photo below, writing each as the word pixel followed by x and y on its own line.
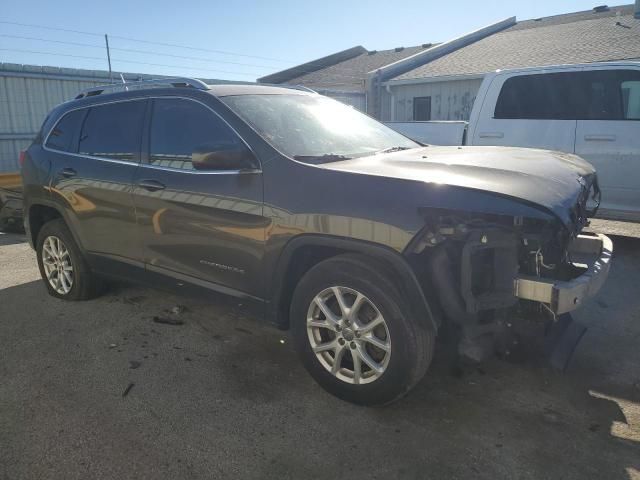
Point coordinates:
pixel 630 92
pixel 551 96
pixel 64 132
pixel 179 127
pixel 421 109
pixel 113 131
pixel 586 95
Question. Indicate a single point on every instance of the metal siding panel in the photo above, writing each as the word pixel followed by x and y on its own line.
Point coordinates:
pixel 25 102
pixel 450 100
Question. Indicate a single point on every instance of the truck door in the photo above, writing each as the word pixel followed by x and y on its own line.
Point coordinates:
pixel 528 110
pixel 608 136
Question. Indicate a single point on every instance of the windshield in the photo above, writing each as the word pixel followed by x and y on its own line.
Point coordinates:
pixel 314 128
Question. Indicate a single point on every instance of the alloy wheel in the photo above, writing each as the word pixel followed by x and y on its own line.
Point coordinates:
pixel 57 265
pixel 348 335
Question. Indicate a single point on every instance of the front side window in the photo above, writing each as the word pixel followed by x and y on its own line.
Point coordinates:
pixel 551 96
pixel 180 128
pixel 315 129
pixel 63 134
pixel 113 131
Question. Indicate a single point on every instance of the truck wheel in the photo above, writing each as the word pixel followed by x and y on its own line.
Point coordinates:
pixel 62 267
pixel 354 334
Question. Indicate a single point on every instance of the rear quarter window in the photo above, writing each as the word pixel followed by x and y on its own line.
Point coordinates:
pixel 65 131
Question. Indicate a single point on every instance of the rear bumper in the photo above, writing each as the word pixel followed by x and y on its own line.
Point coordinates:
pixel 565 296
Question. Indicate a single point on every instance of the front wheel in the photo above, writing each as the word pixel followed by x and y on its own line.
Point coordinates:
pixel 353 332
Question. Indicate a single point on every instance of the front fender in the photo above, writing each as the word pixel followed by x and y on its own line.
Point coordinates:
pixel 394 262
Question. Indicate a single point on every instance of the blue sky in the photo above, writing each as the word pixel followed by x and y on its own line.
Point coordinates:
pixel 281 33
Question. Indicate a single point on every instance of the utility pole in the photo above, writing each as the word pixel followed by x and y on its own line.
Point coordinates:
pixel 106 41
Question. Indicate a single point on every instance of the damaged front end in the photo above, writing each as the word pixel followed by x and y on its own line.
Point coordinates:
pixel 505 282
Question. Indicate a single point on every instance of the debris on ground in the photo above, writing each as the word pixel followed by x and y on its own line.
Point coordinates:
pixel 133 364
pixel 127 390
pixel 177 310
pixel 112 345
pixel 136 300
pixel 168 321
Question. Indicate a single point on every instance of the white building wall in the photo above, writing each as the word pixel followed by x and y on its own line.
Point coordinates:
pixel 450 100
pixel 355 99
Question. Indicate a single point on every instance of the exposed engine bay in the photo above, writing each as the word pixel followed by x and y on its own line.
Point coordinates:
pixel 508 282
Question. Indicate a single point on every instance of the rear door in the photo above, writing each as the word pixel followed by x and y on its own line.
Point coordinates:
pixel 95 152
pixel 198 225
pixel 529 110
pixel 608 136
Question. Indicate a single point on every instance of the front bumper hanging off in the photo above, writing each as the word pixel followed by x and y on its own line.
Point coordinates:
pixel 565 296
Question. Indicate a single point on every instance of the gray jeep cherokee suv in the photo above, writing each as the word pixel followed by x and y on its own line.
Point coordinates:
pixel 362 242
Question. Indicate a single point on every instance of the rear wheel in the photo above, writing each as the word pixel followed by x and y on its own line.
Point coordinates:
pixel 354 334
pixel 62 267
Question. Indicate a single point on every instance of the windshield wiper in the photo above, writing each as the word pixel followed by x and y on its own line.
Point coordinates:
pixel 317 159
pixel 392 149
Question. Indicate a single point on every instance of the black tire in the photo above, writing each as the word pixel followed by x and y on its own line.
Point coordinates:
pixel 412 341
pixel 85 285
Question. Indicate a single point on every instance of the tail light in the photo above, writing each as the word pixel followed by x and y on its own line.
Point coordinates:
pixel 23 155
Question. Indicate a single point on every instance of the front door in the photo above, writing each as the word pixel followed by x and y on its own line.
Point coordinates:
pixel 532 110
pixel 206 225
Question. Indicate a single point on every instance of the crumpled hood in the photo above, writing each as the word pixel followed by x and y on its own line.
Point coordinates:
pixel 553 180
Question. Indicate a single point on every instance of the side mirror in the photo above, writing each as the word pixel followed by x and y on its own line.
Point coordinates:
pixel 223 157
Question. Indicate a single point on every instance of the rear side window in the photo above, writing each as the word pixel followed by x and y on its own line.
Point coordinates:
pixel 65 131
pixel 180 127
pixel 587 95
pixel 113 131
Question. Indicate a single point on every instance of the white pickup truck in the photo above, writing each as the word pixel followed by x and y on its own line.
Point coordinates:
pixel 592 110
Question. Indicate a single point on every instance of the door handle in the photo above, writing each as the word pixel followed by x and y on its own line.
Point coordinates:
pixel 68 172
pixel 151 185
pixel 600 138
pixel 491 135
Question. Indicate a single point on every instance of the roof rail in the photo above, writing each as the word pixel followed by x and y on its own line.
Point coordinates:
pixel 288 85
pixel 138 85
pixel 302 87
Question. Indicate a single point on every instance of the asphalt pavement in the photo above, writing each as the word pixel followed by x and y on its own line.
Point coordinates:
pixel 102 390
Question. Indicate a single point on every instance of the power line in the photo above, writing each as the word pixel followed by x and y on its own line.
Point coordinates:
pixel 126 61
pixel 131 50
pixel 358 77
pixel 149 52
pixel 50 28
pixel 223 52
